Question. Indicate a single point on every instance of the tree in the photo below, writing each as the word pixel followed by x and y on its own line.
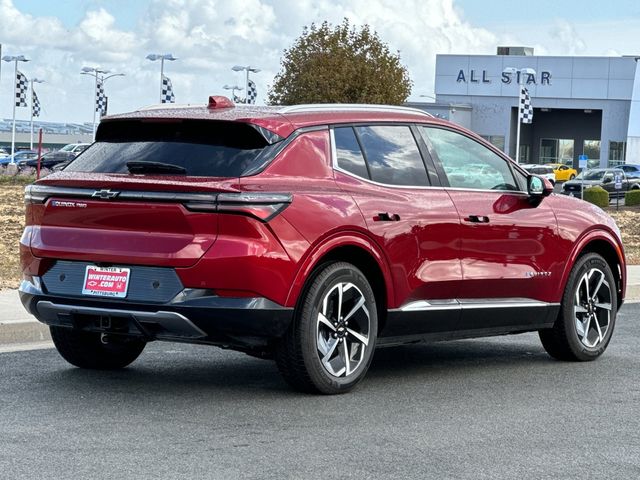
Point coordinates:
pixel 340 64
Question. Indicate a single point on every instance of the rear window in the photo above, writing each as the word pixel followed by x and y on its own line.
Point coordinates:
pixel 201 148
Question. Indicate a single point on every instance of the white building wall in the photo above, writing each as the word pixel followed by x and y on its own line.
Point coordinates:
pixel 633 132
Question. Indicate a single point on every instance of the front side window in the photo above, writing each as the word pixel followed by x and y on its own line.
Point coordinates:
pixel 392 155
pixel 469 164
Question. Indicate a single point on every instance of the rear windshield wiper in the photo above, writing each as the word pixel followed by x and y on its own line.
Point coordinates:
pixel 139 166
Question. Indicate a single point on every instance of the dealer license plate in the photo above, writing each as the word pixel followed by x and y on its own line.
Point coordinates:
pixel 106 281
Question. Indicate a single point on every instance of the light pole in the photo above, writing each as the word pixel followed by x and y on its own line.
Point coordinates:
pixel 233 89
pixel 15 59
pixel 519 73
pixel 162 57
pixel 31 82
pixel 94 72
pixel 247 69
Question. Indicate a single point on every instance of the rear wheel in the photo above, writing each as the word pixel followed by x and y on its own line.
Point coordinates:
pixel 572 176
pixel 92 350
pixel 588 312
pixel 330 344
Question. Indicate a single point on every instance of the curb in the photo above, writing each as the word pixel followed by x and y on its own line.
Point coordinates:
pixel 23 331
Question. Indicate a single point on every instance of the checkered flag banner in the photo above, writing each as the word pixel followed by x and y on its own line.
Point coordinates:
pixel 252 92
pixel 526 110
pixel 101 99
pixel 167 91
pixel 22 85
pixel 237 99
pixel 35 104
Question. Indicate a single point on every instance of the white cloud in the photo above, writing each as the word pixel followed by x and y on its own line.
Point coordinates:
pixel 210 36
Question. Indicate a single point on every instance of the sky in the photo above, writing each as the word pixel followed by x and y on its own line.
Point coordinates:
pixel 211 36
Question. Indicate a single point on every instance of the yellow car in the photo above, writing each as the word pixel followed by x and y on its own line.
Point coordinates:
pixel 563 172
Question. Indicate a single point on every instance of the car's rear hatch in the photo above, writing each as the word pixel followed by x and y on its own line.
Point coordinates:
pixel 145 193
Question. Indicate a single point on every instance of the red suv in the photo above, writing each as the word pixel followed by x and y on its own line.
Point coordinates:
pixel 309 234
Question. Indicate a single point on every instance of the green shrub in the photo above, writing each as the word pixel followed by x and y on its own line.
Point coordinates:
pixel 632 197
pixel 596 195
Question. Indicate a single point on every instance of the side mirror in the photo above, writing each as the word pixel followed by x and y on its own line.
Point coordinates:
pixel 538 187
pixel 607 180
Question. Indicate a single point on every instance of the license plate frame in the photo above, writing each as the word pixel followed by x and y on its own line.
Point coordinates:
pixel 110 282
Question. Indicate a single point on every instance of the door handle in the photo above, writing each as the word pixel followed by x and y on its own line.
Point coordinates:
pixel 386 217
pixel 477 219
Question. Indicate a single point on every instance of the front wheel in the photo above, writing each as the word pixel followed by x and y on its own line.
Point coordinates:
pixel 588 312
pixel 572 176
pixel 330 343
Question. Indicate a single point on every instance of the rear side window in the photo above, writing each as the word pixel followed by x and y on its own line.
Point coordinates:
pixel 348 153
pixel 201 148
pixel 392 155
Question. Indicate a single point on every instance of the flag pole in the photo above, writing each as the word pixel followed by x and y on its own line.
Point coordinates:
pixel 519 119
pixel 13 129
pixel 161 76
pixel 31 137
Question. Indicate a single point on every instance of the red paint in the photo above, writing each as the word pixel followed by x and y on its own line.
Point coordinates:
pixel 428 252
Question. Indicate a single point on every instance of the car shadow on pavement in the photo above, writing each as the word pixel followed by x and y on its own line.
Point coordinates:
pixel 167 369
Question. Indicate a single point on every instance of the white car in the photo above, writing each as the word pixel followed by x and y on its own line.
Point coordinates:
pixel 541 170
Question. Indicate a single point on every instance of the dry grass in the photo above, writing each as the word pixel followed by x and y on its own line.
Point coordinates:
pixel 12 224
pixel 628 220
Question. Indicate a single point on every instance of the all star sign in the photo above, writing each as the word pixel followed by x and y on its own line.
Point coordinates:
pixel 474 76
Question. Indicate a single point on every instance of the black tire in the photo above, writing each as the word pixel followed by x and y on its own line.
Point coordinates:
pixel 563 341
pixel 298 354
pixel 572 176
pixel 86 350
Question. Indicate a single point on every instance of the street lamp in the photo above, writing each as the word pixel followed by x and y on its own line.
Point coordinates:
pixel 247 69
pixel 233 89
pixel 15 59
pixel 519 73
pixel 162 57
pixel 94 72
pixel 31 82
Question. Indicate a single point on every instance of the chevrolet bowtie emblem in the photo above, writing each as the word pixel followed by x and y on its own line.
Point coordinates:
pixel 105 194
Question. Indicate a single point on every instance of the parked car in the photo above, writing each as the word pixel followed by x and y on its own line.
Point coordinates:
pixel 65 154
pixel 310 234
pixel 21 156
pixel 542 171
pixel 630 169
pixel 563 172
pixel 3 153
pixel 602 177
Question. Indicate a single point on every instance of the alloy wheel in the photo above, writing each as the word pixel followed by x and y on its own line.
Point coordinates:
pixel 343 330
pixel 592 308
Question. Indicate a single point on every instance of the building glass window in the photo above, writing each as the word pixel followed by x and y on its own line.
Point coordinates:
pixel 556 150
pixel 495 140
pixel 525 154
pixel 591 148
pixel 617 152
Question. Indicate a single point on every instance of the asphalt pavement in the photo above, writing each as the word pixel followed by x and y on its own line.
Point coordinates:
pixel 495 408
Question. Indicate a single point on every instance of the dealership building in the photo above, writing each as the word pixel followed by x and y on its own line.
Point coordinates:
pixel 586 109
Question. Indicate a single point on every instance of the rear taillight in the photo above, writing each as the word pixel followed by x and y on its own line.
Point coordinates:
pixel 260 205
pixel 263 206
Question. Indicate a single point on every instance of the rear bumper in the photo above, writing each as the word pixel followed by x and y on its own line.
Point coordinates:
pixel 193 316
